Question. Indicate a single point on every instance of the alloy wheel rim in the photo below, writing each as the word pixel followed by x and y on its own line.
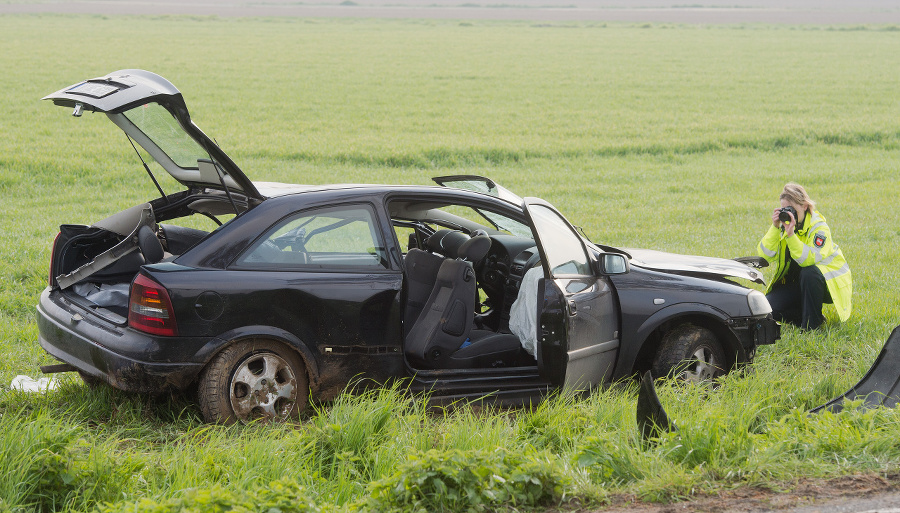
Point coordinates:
pixel 702 366
pixel 263 387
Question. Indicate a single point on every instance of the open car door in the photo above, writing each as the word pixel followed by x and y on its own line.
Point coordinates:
pixel 578 310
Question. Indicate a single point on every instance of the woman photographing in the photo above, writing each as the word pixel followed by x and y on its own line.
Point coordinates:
pixel 811 269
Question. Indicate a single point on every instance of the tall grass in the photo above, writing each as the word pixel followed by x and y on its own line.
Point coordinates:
pixel 676 139
pixel 382 451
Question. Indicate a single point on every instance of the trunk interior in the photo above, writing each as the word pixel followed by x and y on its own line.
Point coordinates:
pixel 94 265
pixel 106 291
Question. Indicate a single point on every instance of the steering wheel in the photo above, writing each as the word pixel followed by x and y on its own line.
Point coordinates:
pixel 294 238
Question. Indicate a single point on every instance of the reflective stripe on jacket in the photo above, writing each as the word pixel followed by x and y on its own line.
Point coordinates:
pixel 811 245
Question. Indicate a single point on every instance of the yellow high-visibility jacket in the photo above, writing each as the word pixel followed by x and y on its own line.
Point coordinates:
pixel 811 245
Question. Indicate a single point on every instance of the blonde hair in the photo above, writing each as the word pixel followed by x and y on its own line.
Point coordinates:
pixel 796 193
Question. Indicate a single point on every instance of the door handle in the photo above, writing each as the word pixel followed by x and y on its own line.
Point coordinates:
pixel 573 307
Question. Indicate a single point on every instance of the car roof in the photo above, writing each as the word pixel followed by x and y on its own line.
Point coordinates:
pixel 277 189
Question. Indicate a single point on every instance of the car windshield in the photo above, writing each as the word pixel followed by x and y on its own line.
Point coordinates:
pixel 163 129
pixel 473 218
pixel 505 224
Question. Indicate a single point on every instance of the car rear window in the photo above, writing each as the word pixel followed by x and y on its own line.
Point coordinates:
pixel 163 129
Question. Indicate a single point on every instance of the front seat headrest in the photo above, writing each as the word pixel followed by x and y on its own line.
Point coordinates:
pixel 149 245
pixel 474 249
pixel 446 242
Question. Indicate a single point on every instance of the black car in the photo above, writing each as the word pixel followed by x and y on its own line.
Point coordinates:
pixel 464 288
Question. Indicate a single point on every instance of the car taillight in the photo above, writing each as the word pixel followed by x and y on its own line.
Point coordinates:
pixel 150 309
pixel 53 259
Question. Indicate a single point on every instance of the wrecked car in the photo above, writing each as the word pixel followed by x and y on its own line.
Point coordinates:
pixel 463 288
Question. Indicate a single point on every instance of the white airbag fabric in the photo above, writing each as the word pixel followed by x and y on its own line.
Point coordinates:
pixel 28 384
pixel 523 314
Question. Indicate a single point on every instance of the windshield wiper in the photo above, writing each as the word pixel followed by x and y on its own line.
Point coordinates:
pixel 580 229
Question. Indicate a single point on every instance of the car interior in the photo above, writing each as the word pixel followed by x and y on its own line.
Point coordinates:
pixel 464 268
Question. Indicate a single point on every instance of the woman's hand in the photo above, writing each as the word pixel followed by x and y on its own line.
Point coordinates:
pixel 775 221
pixel 788 227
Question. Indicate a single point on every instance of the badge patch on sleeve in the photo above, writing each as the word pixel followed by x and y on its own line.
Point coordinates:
pixel 819 241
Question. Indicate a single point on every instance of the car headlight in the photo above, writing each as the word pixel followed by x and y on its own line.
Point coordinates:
pixel 758 303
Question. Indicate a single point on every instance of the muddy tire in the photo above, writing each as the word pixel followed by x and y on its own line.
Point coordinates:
pixel 689 353
pixel 253 380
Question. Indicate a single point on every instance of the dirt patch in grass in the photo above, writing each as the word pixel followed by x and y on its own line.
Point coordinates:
pixel 864 492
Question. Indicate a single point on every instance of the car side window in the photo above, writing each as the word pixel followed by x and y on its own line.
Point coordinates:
pixel 326 238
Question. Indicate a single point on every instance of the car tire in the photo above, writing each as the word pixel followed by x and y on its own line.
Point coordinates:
pixel 253 380
pixel 689 353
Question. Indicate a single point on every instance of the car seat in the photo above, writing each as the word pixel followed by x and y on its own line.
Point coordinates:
pixel 421 272
pixel 442 336
pixel 422 269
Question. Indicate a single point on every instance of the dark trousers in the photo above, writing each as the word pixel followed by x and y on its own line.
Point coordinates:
pixel 799 301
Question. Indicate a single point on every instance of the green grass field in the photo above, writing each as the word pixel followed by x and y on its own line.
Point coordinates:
pixel 676 138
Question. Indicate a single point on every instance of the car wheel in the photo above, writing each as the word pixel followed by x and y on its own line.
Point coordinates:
pixel 253 380
pixel 690 353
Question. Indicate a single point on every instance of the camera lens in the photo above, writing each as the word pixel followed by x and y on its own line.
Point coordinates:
pixel 784 216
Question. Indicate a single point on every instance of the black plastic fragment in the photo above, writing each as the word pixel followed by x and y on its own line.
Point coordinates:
pixel 651 417
pixel 881 384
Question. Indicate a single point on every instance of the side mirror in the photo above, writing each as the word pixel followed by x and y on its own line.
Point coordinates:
pixel 612 263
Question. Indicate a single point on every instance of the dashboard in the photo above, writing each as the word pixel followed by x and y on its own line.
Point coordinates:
pixel 500 274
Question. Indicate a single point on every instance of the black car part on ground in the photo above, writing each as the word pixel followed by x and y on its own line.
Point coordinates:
pixel 651 417
pixel 881 384
pixel 879 387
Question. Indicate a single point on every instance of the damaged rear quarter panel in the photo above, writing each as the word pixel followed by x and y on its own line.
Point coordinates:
pixel 343 324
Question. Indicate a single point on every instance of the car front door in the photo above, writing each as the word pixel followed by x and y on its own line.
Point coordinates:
pixel 579 312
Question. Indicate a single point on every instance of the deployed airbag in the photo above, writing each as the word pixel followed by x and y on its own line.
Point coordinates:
pixel 523 315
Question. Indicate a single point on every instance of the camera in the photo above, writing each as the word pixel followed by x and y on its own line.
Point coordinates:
pixel 784 216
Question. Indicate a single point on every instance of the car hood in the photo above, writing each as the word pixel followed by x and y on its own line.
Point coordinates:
pixel 152 112
pixel 693 265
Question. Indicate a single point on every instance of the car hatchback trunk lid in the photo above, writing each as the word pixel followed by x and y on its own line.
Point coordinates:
pixel 152 112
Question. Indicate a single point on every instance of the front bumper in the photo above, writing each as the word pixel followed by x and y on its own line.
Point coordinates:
pixel 125 358
pixel 755 331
